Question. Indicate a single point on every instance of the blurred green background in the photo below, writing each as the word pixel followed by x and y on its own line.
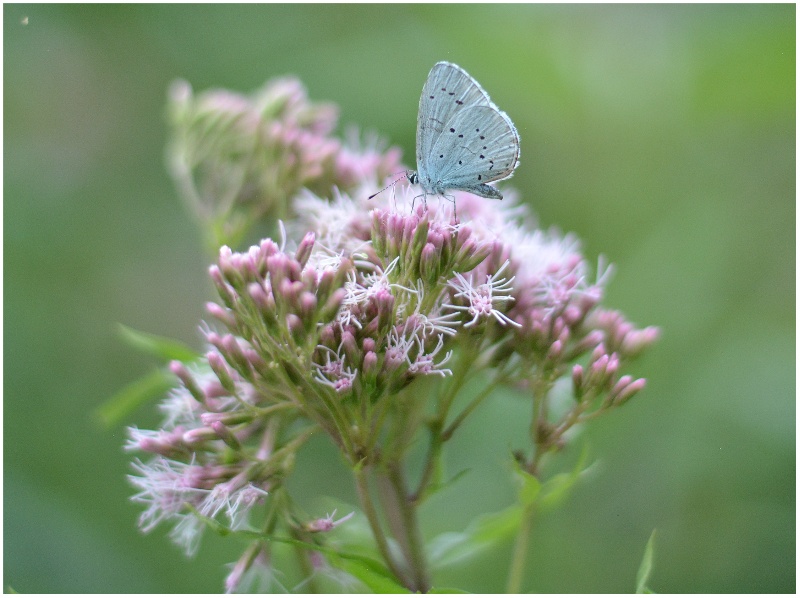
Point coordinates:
pixel 663 136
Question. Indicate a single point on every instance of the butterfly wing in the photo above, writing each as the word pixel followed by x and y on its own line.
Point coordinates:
pixel 478 145
pixel 448 91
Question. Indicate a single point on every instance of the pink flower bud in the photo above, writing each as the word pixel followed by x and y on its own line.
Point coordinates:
pixel 350 347
pixel 225 261
pixel 620 386
pixel 225 291
pixel 214 339
pixel 304 249
pixel 599 351
pixel 613 365
pixel 221 314
pixel 630 390
pixel 208 418
pixel 268 247
pixel 199 435
pixel 289 291
pixel 308 304
pixel 327 336
pixel 183 374
pixel 577 381
pixel 294 324
pixel 370 365
pixel 598 366
pixel 637 341
pixel 326 523
pixel 332 305
pixel 572 314
pixel 220 368
pixel 255 263
pixel 226 435
pixel 260 297
pixel 429 261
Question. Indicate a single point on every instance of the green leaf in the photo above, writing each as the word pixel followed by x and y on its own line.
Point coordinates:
pixel 482 532
pixel 646 568
pixel 166 349
pixel 530 486
pixel 372 577
pixel 447 591
pixel 371 572
pixel 137 393
pixel 439 486
pixel 556 489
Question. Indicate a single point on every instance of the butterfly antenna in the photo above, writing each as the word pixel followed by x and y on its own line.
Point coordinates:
pixel 392 184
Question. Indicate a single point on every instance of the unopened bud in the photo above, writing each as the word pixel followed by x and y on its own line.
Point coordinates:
pixel 220 368
pixel 554 353
pixel 370 364
pixel 304 249
pixel 199 435
pixel 637 341
pixel 350 347
pixel 326 524
pixel 183 374
pixel 308 307
pixel 332 305
pixel 630 390
pixel 221 314
pixel 226 435
pixel 577 381
pixel 429 264
pixel 619 387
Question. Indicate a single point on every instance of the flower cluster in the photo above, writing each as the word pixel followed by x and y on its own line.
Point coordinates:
pixel 336 326
pixel 238 160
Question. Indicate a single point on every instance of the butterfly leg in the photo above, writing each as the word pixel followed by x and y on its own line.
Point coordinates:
pixel 452 199
pixel 424 197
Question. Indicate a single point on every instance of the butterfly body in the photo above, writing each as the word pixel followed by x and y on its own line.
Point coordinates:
pixel 464 141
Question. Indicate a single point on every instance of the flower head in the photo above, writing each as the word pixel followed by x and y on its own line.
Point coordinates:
pixel 337 324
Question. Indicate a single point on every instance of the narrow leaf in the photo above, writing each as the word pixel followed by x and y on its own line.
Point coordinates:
pixel 124 402
pixel 161 347
pixel 373 578
pixel 482 532
pixel 530 486
pixel 371 572
pixel 439 486
pixel 556 489
pixel 646 568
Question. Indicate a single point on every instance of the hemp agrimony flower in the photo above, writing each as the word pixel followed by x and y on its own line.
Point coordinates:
pixel 364 322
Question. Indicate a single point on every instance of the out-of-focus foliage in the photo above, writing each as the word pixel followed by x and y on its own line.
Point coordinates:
pixel 663 136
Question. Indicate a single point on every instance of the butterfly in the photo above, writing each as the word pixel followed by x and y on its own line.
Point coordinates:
pixel 464 141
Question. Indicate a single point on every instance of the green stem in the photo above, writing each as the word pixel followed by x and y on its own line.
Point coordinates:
pixel 406 528
pixel 375 525
pixel 541 386
pixel 520 554
pixel 461 371
pixel 376 425
pixel 304 561
pixel 460 375
pixel 434 450
pixel 470 408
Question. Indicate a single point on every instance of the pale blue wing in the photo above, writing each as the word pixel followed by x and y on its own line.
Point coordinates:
pixel 478 145
pixel 447 91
